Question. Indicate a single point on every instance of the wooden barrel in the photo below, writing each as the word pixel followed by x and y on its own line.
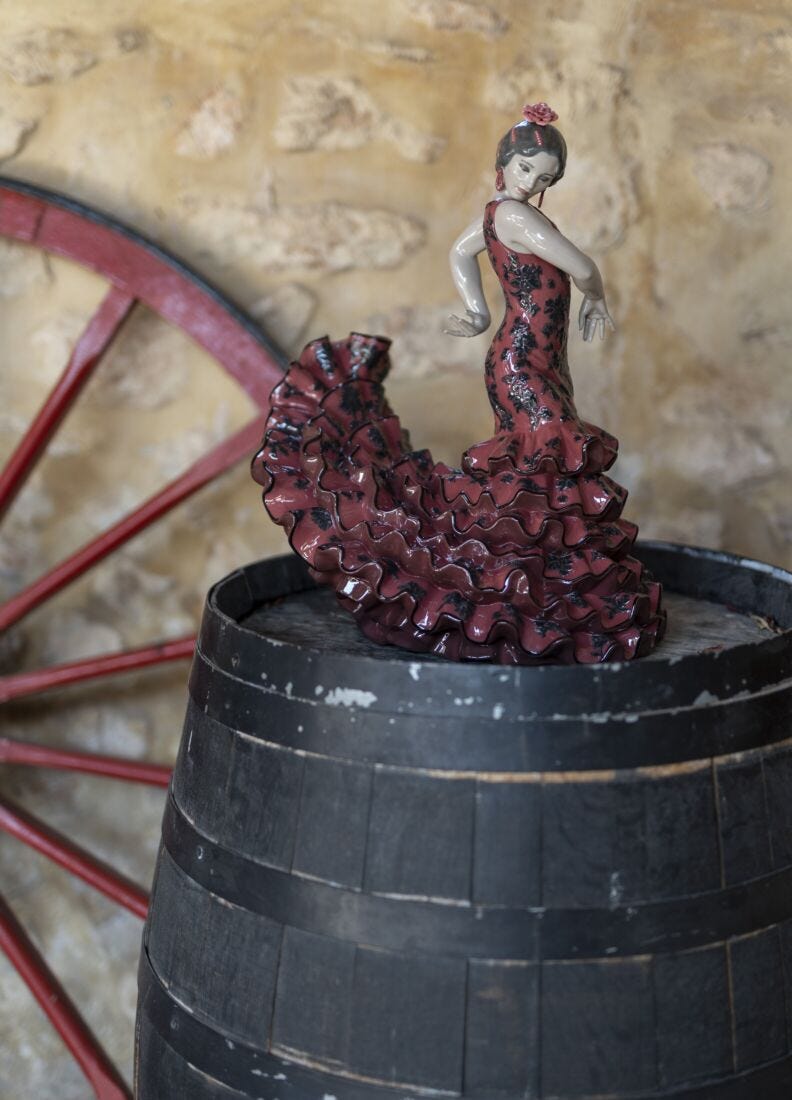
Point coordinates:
pixel 383 877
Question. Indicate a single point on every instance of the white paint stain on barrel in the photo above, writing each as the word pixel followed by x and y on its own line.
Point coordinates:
pixel 497 710
pixel 415 670
pixel 705 697
pixel 350 697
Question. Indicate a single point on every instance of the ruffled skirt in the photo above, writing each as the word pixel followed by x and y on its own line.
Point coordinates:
pixel 517 557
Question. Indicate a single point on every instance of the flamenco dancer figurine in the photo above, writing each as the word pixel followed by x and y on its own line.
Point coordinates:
pixel 519 556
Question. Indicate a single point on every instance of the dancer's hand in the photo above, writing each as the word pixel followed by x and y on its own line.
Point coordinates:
pixel 593 317
pixel 476 324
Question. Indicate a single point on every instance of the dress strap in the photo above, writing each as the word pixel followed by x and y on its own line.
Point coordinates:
pixel 489 221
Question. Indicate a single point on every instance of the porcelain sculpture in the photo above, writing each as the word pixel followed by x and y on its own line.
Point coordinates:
pixel 519 555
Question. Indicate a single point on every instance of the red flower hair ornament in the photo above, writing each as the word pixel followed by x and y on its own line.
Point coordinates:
pixel 539 113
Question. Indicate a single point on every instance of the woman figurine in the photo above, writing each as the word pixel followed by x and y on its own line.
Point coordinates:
pixel 519 556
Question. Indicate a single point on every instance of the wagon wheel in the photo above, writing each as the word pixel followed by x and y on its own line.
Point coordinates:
pixel 137 271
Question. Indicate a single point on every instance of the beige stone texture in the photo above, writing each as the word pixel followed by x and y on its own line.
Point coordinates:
pixel 215 123
pixel 319 237
pixel 458 15
pixel 316 161
pixel 20 269
pixel 285 314
pixel 14 131
pixel 329 112
pixel 734 178
pixel 387 49
pixel 47 54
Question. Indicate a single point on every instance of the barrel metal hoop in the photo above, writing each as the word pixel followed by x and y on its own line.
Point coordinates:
pixel 207 1050
pixel 463 742
pixel 468 931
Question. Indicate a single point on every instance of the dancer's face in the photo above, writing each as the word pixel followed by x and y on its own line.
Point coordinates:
pixel 524 176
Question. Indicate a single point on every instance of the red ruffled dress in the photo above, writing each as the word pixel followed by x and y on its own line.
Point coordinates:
pixel 517 557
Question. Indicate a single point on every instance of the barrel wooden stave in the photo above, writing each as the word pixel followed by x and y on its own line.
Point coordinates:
pixel 166 1074
pixel 340 1005
pixel 755 964
pixel 565 939
pixel 220 959
pixel 587 839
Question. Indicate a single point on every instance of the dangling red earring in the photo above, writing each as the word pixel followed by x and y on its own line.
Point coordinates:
pixel 541 197
pixel 499 184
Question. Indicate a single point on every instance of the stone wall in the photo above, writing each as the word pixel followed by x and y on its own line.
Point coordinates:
pixel 316 160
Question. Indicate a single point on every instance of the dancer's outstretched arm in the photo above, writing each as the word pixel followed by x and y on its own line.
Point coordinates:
pixel 467 278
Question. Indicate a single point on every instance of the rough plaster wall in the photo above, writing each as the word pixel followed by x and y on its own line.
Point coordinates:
pixel 316 160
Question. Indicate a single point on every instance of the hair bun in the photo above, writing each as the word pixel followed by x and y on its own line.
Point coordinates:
pixel 539 113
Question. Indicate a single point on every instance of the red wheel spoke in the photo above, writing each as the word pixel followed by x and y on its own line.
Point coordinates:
pixel 141 271
pixel 73 858
pixel 241 444
pixel 93 668
pixel 110 767
pixel 88 350
pixel 104 1078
